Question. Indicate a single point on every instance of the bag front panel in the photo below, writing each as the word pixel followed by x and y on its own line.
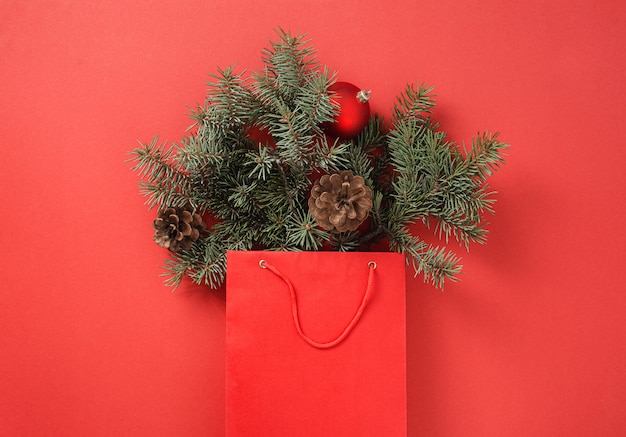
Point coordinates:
pixel 277 384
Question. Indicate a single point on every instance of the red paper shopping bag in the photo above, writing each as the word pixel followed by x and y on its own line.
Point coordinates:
pixel 315 344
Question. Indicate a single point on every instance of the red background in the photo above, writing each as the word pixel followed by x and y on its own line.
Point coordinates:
pixel 530 342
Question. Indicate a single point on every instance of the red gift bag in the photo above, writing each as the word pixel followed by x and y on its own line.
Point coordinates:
pixel 315 344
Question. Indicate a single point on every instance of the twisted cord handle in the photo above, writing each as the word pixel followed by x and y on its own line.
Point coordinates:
pixel 294 306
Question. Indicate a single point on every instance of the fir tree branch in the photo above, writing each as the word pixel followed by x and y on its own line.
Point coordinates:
pixel 485 156
pixel 288 193
pixel 303 232
pixel 205 264
pixel 155 161
pixel 413 104
pixel 329 157
pixel 291 136
pixel 288 62
pixel 231 98
pixel 313 97
pixel 166 182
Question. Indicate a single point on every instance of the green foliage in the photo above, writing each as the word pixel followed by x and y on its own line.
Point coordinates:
pixel 258 145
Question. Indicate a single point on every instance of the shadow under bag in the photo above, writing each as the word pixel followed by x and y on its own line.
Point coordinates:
pixel 315 344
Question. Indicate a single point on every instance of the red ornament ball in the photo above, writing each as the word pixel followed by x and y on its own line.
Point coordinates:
pixel 354 110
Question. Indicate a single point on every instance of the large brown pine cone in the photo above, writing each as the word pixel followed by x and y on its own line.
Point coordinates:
pixel 177 228
pixel 340 202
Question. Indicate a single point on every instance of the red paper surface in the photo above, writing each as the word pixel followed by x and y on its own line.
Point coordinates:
pixel 277 384
pixel 531 341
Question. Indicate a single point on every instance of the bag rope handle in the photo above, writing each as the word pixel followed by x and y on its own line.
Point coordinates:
pixel 294 306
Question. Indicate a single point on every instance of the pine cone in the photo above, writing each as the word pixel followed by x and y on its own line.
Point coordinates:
pixel 340 202
pixel 177 228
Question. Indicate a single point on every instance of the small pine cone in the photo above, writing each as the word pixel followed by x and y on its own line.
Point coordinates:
pixel 340 202
pixel 177 228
